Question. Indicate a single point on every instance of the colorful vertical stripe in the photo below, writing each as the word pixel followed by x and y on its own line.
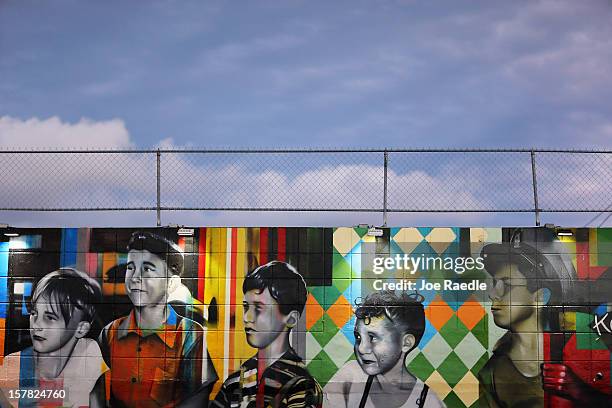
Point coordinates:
pixel 69 247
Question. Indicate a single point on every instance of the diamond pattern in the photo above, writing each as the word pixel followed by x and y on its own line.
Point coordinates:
pixel 440 239
pixel 339 349
pixel 324 330
pixel 452 369
pixel 312 346
pixel 345 239
pixel 325 295
pixel 340 312
pixel 470 350
pixel 342 267
pixel 313 311
pixel 454 331
pixel 420 366
pixel 453 400
pixel 455 345
pixel 408 239
pixel 323 366
pixel 437 350
pixel 439 385
pixel 438 312
pixel 470 313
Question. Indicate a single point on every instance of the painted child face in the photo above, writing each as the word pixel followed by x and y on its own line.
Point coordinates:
pixel 48 329
pixel 146 278
pixel 512 302
pixel 263 321
pixel 377 345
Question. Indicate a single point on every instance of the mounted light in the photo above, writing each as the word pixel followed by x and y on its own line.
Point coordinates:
pixel 8 231
pixel 564 233
pixel 185 232
pixel 375 232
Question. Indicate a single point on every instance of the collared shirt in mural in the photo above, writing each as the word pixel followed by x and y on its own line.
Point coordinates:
pixel 155 368
pixel 70 388
pixel 285 383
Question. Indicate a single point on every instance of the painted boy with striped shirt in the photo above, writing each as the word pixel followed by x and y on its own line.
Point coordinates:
pixel 274 298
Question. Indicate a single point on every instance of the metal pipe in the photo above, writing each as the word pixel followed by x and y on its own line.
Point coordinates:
pixel 535 189
pixel 248 151
pixel 386 165
pixel 158 188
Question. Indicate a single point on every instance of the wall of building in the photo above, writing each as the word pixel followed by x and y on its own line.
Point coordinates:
pixel 497 303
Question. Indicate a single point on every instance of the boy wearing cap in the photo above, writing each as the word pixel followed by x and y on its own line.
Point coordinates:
pixel 157 358
pixel 525 282
pixel 274 298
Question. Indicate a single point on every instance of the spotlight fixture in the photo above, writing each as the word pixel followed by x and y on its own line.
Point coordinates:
pixel 185 232
pixel 375 232
pixel 8 231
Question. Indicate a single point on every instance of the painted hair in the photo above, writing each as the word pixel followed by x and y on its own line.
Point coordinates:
pixel 284 282
pixel 165 249
pixel 69 289
pixel 405 311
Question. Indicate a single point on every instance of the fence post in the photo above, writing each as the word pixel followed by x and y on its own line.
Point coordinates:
pixel 158 188
pixel 386 165
pixel 535 189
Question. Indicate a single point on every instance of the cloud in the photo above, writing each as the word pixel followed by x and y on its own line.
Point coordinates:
pixel 52 133
pixel 558 50
pixel 416 181
pixel 72 180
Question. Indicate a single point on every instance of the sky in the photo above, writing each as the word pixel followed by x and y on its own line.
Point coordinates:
pixel 299 74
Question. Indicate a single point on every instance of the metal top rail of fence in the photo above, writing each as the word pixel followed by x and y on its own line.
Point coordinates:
pixel 351 180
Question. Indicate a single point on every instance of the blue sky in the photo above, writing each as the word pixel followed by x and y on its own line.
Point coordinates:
pixel 119 74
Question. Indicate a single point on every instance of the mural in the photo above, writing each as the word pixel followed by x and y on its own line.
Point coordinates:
pixel 305 317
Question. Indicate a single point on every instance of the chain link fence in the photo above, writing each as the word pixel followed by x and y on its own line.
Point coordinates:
pixel 381 181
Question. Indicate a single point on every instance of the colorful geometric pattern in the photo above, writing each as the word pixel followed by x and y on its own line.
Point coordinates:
pixel 454 346
pixel 459 335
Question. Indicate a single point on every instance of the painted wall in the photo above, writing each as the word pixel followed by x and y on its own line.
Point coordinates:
pixel 508 301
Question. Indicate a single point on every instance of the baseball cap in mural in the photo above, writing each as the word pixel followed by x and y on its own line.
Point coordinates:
pixel 517 252
pixel 538 264
pixel 167 250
